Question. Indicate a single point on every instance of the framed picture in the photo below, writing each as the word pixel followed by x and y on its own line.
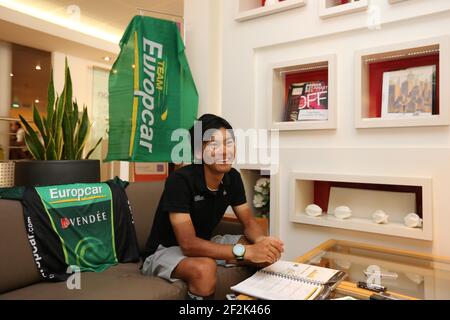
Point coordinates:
pixel 409 92
pixel 143 171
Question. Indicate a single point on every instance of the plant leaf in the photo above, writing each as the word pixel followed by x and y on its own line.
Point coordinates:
pixel 83 130
pixel 53 126
pixel 68 137
pixel 50 152
pixel 68 87
pixel 32 141
pixel 58 134
pixel 93 149
pixel 75 115
pixel 50 100
pixel 33 148
pixel 39 123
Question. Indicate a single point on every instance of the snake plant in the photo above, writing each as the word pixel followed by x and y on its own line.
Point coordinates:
pixel 62 134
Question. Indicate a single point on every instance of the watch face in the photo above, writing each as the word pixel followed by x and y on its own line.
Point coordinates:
pixel 239 250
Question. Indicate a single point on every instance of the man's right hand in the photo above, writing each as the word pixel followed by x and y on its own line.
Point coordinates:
pixel 267 250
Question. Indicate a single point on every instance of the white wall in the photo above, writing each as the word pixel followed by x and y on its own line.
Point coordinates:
pixel 203 23
pixel 248 48
pixel 81 73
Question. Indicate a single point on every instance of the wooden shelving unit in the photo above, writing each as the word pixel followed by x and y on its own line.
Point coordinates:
pixel 396 204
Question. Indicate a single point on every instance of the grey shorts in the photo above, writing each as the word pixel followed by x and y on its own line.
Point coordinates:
pixel 165 260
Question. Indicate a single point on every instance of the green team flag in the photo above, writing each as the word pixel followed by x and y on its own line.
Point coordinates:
pixel 151 92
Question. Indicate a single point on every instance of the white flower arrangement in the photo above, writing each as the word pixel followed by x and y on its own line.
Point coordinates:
pixel 261 199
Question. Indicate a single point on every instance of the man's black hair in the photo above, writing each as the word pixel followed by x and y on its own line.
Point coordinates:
pixel 18 124
pixel 209 121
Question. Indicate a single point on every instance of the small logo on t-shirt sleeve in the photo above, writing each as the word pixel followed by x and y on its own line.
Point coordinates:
pixel 199 198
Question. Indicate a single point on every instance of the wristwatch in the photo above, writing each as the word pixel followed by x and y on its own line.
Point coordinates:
pixel 239 251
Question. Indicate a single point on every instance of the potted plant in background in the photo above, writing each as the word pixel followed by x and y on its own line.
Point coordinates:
pixel 58 143
pixel 261 201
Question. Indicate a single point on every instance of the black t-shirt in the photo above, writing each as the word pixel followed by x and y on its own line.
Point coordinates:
pixel 186 192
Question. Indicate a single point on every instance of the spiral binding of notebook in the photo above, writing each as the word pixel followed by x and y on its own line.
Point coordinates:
pixel 289 277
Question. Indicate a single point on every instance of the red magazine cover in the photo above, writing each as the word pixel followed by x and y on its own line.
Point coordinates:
pixel 307 101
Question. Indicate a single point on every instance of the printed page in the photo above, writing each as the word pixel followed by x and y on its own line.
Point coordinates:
pixel 271 287
pixel 302 271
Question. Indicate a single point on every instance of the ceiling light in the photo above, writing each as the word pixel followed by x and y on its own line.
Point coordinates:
pixel 15 105
pixel 107 58
pixel 11 74
pixel 60 20
pixel 36 101
pixel 133 66
pixel 38 67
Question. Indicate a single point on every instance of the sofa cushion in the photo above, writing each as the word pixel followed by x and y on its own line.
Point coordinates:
pixel 144 198
pixel 228 227
pixel 17 267
pixel 122 282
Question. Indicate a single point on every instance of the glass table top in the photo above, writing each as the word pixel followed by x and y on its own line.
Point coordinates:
pixel 410 274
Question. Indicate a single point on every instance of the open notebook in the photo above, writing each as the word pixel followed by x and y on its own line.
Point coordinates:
pixel 286 280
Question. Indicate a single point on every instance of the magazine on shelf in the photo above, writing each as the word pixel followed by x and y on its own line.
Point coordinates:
pixel 307 101
pixel 286 280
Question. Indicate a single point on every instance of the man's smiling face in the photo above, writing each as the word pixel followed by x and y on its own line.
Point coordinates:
pixel 219 149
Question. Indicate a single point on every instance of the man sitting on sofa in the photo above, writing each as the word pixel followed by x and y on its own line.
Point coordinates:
pixel 194 201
